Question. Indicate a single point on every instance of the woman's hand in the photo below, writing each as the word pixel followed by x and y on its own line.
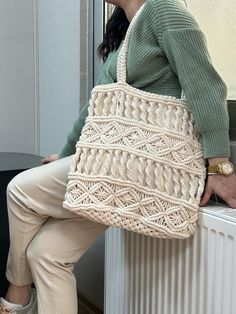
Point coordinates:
pixel 223 186
pixel 50 158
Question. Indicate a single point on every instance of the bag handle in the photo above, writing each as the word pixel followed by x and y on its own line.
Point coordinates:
pixel 122 58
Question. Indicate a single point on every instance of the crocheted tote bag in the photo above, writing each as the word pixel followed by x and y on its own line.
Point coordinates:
pixel 138 163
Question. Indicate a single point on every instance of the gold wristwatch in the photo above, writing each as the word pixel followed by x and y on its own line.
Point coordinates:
pixel 225 168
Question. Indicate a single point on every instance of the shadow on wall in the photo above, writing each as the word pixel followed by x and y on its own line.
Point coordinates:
pixel 89 272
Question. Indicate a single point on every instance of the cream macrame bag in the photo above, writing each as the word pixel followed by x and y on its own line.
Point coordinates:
pixel 138 163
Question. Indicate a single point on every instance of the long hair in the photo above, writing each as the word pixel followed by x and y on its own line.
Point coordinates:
pixel 116 29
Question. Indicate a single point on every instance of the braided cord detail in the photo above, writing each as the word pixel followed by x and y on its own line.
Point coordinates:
pixel 149 174
pixel 176 183
pixel 122 58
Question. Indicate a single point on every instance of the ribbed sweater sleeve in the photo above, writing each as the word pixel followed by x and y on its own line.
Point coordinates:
pixel 73 137
pixel 204 90
pixel 185 47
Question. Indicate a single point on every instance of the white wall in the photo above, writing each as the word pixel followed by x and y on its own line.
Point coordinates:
pixel 217 19
pixel 58 56
pixel 17 97
pixel 39 74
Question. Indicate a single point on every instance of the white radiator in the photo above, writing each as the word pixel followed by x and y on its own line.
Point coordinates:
pixel 193 276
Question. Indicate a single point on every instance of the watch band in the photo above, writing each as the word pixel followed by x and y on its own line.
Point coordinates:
pixel 213 169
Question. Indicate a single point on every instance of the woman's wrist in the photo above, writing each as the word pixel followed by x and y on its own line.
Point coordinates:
pixel 220 165
pixel 214 161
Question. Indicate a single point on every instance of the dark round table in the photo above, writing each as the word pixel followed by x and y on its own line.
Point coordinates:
pixel 10 165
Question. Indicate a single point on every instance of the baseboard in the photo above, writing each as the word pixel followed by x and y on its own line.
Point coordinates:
pixel 86 306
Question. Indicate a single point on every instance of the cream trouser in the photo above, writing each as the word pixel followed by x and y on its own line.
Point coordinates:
pixel 46 239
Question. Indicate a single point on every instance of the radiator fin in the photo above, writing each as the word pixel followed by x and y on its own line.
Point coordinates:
pixel 157 276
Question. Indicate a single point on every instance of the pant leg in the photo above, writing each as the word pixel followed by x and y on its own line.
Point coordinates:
pixel 33 196
pixel 46 239
pixel 52 254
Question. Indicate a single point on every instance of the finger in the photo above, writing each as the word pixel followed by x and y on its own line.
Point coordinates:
pixel 206 197
pixel 230 201
pixel 45 160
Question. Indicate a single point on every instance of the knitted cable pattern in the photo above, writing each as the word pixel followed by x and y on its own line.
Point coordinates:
pixel 139 161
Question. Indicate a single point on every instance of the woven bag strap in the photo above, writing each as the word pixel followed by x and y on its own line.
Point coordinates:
pixel 122 58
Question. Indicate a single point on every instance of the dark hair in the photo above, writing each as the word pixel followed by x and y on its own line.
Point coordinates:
pixel 116 29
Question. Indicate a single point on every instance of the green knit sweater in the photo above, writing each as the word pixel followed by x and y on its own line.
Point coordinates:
pixel 168 53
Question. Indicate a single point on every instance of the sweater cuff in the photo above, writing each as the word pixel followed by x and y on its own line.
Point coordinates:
pixel 67 150
pixel 216 143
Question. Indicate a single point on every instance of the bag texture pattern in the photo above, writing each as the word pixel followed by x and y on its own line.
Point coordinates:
pixel 139 162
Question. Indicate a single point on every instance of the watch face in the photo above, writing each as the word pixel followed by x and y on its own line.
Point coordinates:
pixel 226 168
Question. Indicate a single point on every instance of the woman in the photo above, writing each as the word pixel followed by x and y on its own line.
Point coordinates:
pixel 167 53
